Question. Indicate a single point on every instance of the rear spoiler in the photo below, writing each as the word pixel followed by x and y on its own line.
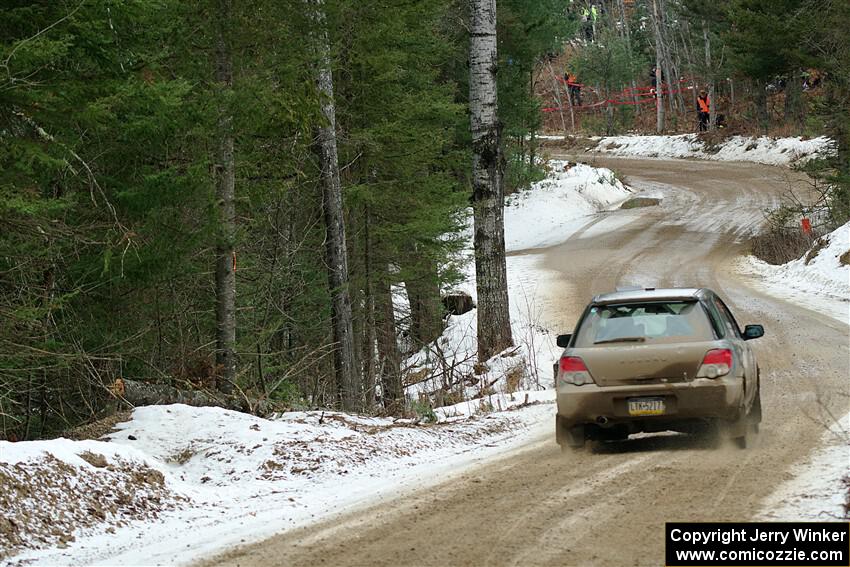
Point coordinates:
pixel 647 300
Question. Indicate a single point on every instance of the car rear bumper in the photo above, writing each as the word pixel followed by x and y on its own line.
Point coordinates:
pixel 702 398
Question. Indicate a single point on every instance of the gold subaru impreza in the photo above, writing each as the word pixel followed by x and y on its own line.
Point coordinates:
pixel 643 360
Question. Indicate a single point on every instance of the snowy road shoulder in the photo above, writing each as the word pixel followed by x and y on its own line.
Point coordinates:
pixel 763 149
pixel 555 208
pixel 819 280
pixel 818 490
pixel 220 478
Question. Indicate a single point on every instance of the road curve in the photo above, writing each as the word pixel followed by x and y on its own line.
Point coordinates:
pixel 608 507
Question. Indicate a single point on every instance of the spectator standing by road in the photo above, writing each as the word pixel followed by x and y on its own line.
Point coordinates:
pixel 573 87
pixel 703 110
pixel 653 79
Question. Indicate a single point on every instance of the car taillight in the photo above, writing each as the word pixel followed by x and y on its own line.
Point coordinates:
pixel 717 362
pixel 573 371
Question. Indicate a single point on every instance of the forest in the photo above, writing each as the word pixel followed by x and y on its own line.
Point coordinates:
pixel 262 203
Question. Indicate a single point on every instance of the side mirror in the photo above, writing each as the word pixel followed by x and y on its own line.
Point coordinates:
pixel 753 332
pixel 563 341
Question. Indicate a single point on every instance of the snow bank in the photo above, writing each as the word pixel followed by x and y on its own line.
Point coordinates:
pixel 176 483
pixel 818 490
pixel 770 151
pixel 52 492
pixel 820 279
pixel 541 216
pixel 547 214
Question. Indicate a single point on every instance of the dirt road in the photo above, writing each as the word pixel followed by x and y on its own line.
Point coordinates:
pixel 608 507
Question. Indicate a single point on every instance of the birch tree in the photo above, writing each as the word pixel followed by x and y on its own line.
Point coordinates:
pixel 345 367
pixel 494 325
pixel 225 268
pixel 712 120
pixel 659 60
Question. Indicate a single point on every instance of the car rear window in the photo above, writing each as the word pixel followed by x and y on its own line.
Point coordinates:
pixel 665 321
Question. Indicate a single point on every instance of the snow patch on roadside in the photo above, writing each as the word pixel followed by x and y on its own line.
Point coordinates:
pixel 766 150
pixel 239 478
pixel 819 280
pixel 818 491
pixel 52 492
pixel 542 215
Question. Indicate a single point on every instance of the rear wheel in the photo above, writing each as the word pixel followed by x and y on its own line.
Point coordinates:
pixel 745 440
pixel 746 429
pixel 755 411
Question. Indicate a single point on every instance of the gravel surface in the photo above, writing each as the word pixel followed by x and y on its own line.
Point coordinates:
pixel 608 506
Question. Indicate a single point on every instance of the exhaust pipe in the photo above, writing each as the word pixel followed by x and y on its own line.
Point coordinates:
pixel 601 420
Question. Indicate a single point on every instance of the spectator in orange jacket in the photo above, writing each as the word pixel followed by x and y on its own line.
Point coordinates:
pixel 703 110
pixel 574 88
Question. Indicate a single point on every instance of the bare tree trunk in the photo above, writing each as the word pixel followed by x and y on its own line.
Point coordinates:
pixel 572 111
pixel 659 97
pixel 532 139
pixel 712 105
pixel 690 54
pixel 558 98
pixel 666 57
pixel 760 100
pixel 670 74
pixel 423 293
pixel 389 355
pixel 494 324
pixel 345 367
pixel 225 269
pixel 793 94
pixel 627 33
pixel 731 94
pixel 367 333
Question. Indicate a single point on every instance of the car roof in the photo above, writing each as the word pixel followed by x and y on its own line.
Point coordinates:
pixel 647 294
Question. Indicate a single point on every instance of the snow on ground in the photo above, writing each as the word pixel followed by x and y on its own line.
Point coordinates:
pixel 54 491
pixel 547 214
pixel 177 483
pixel 209 478
pixel 819 280
pixel 818 491
pixel 770 151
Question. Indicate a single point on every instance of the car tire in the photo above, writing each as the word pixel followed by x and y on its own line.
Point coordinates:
pixel 747 427
pixel 755 411
pixel 745 441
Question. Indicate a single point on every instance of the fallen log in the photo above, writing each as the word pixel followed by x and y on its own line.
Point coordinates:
pixel 137 393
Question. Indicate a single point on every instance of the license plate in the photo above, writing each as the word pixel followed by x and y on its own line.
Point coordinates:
pixel 646 406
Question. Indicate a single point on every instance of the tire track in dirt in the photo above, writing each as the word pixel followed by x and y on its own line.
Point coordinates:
pixel 608 506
